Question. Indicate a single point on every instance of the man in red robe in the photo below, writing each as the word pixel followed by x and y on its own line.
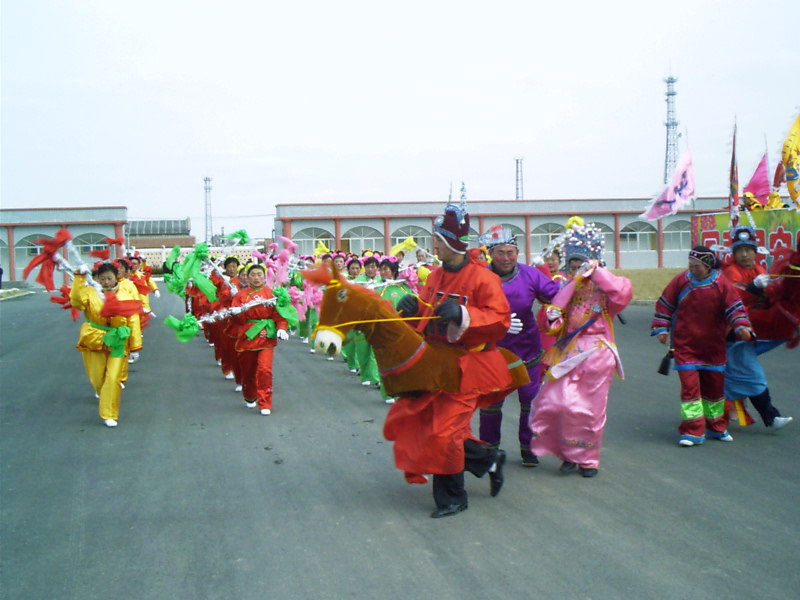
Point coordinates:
pixel 431 432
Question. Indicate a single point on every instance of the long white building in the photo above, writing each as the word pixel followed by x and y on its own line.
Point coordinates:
pixel 630 242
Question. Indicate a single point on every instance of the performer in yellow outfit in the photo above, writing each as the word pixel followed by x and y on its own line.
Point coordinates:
pixel 111 331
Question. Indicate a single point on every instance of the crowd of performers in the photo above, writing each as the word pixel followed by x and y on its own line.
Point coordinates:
pixel 553 323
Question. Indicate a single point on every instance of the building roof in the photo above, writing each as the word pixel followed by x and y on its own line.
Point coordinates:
pixel 158 227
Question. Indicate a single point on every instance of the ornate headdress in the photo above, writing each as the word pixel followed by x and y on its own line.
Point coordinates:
pixel 497 235
pixel 453 227
pixel 743 235
pixel 585 242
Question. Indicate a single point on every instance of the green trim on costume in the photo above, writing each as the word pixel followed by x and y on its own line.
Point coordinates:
pixel 713 408
pixel 691 410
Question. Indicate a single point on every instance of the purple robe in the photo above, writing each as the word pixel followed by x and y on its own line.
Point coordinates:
pixel 522 287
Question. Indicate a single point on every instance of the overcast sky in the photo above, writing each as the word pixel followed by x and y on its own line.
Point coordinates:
pixel 108 103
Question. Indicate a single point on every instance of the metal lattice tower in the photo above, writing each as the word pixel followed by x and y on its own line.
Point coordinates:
pixel 207 181
pixel 519 178
pixel 671 156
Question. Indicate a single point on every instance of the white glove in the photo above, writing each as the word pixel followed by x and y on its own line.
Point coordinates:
pixel 282 334
pixel 234 290
pixel 537 261
pixel 134 356
pixel 157 294
pixel 553 313
pixel 516 324
pixel 761 281
pixel 83 270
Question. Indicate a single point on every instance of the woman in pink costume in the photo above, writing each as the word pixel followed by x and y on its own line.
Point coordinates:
pixel 570 410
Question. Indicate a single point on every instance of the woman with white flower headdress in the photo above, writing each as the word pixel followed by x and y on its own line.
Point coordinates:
pixel 569 413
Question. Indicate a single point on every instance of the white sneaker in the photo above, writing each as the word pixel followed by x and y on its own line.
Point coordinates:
pixel 304 340
pixel 219 363
pixel 250 404
pixel 390 400
pixel 122 385
pixel 266 411
pixel 330 358
pixel 96 395
pixel 312 351
pixel 354 371
pixel 229 376
pixel 110 423
pixel 780 422
pixel 238 388
pixel 366 383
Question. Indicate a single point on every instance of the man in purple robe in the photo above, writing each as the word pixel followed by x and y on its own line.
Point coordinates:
pixel 522 285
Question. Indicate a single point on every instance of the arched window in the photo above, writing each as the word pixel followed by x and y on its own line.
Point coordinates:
pixel 88 242
pixel 362 238
pixel 306 239
pixel 637 236
pixel 678 236
pixel 542 235
pixel 421 236
pixel 29 246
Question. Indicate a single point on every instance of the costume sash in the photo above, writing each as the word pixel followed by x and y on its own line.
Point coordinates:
pixel 115 338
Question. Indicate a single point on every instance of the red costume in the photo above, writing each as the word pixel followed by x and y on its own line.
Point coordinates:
pixel 257 327
pixel 429 430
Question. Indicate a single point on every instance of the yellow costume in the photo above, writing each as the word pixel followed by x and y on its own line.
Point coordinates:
pixel 105 342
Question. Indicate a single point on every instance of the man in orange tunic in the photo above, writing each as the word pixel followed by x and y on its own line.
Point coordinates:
pixel 431 432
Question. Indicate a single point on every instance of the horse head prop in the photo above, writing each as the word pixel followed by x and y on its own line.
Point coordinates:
pixel 406 361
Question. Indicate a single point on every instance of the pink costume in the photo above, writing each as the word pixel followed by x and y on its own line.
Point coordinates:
pixel 570 410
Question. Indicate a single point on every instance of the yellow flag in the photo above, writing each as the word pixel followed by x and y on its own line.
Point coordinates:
pixel 790 156
pixel 407 245
pixel 321 249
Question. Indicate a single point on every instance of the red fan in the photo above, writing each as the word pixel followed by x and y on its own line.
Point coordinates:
pixel 63 300
pixel 46 259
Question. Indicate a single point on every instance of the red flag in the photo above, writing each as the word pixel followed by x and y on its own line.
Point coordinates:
pixel 115 241
pixel 101 254
pixel 759 182
pixel 733 197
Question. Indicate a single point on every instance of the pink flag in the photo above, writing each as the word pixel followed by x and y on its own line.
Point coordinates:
pixel 677 194
pixel 759 182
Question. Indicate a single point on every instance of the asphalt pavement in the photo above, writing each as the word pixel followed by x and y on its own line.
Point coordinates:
pixel 194 496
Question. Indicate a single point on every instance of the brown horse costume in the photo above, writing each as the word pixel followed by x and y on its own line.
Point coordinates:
pixel 409 365
pixel 439 385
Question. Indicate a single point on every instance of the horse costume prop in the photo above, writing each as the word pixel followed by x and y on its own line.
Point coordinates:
pixel 409 365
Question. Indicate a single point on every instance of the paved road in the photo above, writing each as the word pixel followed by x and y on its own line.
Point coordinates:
pixel 194 496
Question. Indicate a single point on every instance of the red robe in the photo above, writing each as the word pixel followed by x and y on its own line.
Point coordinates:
pixel 700 314
pixel 429 430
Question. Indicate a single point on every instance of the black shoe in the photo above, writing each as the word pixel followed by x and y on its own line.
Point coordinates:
pixel 568 467
pixel 449 510
pixel 589 472
pixel 529 459
pixel 496 477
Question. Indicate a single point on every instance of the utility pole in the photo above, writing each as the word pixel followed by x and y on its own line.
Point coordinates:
pixel 519 178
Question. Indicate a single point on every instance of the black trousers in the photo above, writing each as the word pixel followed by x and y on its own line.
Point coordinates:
pixel 763 404
pixel 449 489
